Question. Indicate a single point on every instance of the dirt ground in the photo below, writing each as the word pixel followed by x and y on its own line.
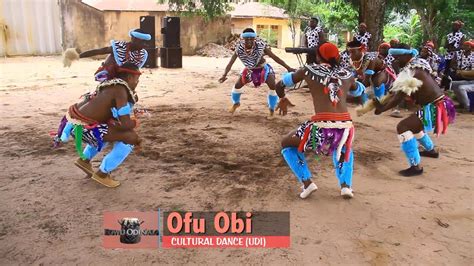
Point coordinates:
pixel 196 156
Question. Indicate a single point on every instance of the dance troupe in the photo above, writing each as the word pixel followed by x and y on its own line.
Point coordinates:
pixel 381 80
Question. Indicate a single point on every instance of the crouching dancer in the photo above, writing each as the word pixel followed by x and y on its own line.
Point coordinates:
pixel 436 112
pixel 330 130
pixel 104 117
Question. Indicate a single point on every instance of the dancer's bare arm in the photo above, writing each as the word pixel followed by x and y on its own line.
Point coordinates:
pixel 395 100
pixel 277 59
pixel 121 99
pixel 228 67
pixel 94 52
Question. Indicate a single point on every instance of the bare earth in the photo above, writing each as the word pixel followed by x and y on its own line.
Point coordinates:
pixel 196 156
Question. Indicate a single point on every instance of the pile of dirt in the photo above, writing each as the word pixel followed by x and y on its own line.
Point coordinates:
pixel 231 41
pixel 214 50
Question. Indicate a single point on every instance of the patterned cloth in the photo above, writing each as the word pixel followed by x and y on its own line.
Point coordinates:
pixel 257 75
pixel 312 36
pixel 325 137
pixel 251 59
pixel 388 60
pixel 94 136
pixel 345 59
pixel 418 63
pixel 363 38
pixel 454 38
pixel 465 62
pixel 330 77
pixel 122 54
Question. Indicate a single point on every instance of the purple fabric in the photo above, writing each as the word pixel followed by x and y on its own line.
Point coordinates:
pixel 450 109
pixel 256 76
pixel 331 139
pixel 62 124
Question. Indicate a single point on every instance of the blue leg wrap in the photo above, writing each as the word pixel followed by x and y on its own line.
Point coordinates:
pixel 90 151
pixel 344 170
pixel 272 100
pixel 116 156
pixel 66 132
pixel 379 91
pixel 297 163
pixel 364 97
pixel 410 147
pixel 426 142
pixel 235 95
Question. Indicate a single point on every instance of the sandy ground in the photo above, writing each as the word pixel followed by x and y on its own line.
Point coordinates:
pixel 198 157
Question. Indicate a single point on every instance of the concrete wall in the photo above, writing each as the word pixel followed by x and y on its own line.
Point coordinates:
pixel 82 25
pixel 195 32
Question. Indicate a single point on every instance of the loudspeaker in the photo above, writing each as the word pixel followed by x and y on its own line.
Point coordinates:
pixel 171 57
pixel 171 32
pixel 152 59
pixel 147 24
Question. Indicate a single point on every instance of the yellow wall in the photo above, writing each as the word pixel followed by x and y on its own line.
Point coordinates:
pixel 284 35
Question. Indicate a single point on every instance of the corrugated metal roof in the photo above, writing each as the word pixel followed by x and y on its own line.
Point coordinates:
pixel 127 5
pixel 254 9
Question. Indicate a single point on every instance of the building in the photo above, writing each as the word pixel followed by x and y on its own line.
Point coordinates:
pixel 271 23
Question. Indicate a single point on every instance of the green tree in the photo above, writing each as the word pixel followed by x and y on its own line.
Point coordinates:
pixel 209 9
pixel 436 16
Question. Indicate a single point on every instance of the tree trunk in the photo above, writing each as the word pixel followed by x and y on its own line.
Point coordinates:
pixel 372 13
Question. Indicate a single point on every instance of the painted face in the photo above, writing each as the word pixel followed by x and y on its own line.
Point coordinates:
pixel 249 42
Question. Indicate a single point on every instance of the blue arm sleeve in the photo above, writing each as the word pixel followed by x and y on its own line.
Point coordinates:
pixel 288 79
pixel 358 91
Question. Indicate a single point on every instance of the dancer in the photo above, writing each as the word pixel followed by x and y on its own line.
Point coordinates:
pixel 437 110
pixel 119 52
pixel 330 130
pixel 251 51
pixel 103 118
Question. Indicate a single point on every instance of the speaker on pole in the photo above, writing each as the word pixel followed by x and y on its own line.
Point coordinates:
pixel 147 24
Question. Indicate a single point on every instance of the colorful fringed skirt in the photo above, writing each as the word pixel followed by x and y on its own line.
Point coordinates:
pixel 327 133
pixel 436 116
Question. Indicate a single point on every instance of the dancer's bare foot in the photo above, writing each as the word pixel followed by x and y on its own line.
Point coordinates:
pixel 234 107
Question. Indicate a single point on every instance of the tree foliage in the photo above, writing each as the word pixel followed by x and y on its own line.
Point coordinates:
pixel 436 16
pixel 208 9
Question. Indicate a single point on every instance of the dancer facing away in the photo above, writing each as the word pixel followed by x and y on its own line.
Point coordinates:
pixel 251 51
pixel 101 119
pixel 330 130
pixel 436 112
pixel 119 53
